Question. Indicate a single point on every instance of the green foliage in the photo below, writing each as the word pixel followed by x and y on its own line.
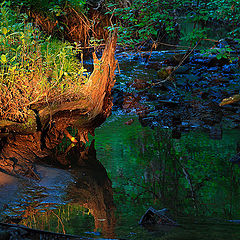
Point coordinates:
pixel 143 20
pixel 45 5
pixel 22 45
pixel 33 66
pixel 140 21
pixel 52 9
pixel 195 35
pixel 219 52
pixel 212 12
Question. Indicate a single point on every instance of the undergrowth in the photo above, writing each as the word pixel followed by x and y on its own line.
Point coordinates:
pixel 34 70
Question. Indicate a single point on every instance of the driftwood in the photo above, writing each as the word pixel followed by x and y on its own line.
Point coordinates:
pixel 22 143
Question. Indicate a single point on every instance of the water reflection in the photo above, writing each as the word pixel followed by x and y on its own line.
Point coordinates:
pixel 93 189
pixel 75 198
pixel 191 176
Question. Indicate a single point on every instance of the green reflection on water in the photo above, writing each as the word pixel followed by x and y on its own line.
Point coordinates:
pixel 69 218
pixel 191 176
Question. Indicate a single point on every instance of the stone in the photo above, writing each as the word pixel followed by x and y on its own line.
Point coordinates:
pixel 154 65
pixel 164 72
pixel 215 132
pixel 153 216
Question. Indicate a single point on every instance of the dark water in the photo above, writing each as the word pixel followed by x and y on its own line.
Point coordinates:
pixel 149 166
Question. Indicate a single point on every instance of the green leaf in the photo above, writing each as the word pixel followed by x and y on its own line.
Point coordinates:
pixel 3 58
pixel 4 30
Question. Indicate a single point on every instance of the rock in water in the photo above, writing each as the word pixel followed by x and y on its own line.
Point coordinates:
pixel 153 216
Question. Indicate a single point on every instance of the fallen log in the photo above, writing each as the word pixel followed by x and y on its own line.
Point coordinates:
pixel 15 231
pixel 153 216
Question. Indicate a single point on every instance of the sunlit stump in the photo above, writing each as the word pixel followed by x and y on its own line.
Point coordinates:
pixel 22 143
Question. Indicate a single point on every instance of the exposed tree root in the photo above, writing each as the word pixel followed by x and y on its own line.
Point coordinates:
pixel 45 130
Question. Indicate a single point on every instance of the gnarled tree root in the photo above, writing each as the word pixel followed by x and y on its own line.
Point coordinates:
pixel 22 143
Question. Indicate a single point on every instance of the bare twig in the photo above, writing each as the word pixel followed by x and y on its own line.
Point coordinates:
pixel 181 62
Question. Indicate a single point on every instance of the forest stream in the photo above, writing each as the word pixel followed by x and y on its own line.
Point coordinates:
pixel 166 145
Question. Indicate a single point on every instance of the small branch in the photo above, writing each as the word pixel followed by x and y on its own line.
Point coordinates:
pixel 189 179
pixel 181 62
pixel 146 189
pixel 64 232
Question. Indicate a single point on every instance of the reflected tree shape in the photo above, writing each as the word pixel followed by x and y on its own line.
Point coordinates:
pixel 93 190
pixel 191 177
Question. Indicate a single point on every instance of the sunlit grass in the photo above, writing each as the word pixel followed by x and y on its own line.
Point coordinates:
pixel 35 70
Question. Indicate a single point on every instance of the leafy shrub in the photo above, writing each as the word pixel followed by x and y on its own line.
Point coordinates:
pixel 143 21
pixel 35 70
pixel 140 21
